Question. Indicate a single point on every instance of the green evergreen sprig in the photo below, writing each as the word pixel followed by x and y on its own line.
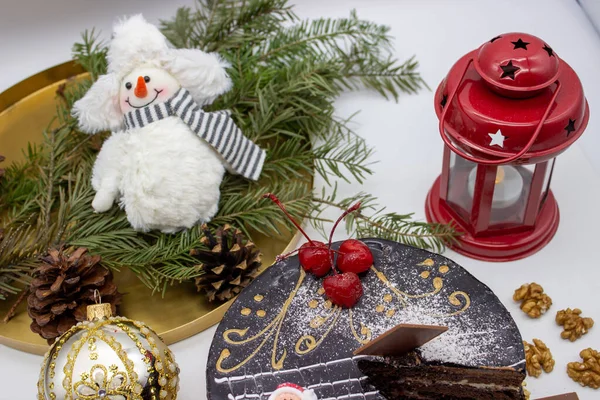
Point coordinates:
pixel 374 221
pixel 286 76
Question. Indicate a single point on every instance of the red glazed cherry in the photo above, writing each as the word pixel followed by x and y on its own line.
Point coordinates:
pixel 344 289
pixel 314 256
pixel 354 256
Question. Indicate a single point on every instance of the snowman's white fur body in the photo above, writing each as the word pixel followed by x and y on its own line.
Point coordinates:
pixel 163 175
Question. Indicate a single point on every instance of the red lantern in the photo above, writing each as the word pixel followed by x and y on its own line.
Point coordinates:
pixel 505 110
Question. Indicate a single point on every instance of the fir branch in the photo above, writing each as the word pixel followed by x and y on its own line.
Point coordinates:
pixel 39 221
pixel 20 180
pixel 286 76
pixel 233 22
pixel 251 214
pixel 217 25
pixel 337 158
pixel 290 158
pixel 386 77
pixel 5 289
pixel 46 208
pixel 325 36
pixel 91 54
pixel 392 226
pixel 179 30
pixel 18 249
pixel 13 308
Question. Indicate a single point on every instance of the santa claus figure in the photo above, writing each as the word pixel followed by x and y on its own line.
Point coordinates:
pixel 291 391
pixel 166 157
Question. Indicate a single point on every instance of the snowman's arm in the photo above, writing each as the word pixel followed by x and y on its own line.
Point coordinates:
pixel 107 172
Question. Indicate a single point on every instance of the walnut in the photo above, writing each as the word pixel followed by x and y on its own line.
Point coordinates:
pixel 574 326
pixel 586 373
pixel 537 357
pixel 534 302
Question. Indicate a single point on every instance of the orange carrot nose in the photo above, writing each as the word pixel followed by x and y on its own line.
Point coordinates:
pixel 140 89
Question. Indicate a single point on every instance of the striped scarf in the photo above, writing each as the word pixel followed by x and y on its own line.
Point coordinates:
pixel 216 128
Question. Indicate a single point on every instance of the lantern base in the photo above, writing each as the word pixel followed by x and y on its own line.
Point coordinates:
pixel 496 248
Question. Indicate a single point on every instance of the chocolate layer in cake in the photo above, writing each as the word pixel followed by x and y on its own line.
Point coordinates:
pixel 283 329
pixel 412 378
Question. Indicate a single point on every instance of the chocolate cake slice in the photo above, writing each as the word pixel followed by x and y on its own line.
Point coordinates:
pixel 411 377
pixel 282 328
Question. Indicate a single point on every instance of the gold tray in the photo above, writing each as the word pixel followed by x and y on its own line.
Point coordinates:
pixel 25 111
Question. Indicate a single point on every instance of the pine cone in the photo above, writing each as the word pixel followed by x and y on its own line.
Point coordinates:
pixel 229 263
pixel 62 288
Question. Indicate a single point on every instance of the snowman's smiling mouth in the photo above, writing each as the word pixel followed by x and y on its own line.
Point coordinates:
pixel 147 104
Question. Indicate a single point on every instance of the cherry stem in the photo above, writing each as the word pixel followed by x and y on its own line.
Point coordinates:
pixel 275 200
pixel 348 211
pixel 281 257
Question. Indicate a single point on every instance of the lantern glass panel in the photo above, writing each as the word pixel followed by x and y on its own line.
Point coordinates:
pixel 511 192
pixel 458 196
pixel 547 181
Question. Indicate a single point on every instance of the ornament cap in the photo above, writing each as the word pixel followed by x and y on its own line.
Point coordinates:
pixel 99 311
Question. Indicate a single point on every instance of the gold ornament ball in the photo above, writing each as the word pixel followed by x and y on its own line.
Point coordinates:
pixel 112 358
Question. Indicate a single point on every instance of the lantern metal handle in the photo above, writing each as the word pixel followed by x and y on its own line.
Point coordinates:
pixel 476 160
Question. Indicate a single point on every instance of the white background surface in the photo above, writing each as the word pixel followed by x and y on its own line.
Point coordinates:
pixel 35 35
pixel 592 9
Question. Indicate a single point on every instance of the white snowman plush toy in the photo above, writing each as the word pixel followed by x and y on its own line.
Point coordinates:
pixel 291 391
pixel 166 157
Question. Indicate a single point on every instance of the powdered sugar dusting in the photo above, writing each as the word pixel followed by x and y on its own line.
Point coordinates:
pixel 473 332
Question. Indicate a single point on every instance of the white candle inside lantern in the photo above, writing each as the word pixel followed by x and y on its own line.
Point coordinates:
pixel 507 188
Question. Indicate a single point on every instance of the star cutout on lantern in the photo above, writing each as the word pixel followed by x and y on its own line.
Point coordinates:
pixel 509 70
pixel 570 128
pixel 497 139
pixel 548 49
pixel 520 44
pixel 444 100
pixel 494 39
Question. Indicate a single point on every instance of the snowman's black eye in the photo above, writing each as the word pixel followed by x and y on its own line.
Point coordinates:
pixel 128 85
pixel 146 79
